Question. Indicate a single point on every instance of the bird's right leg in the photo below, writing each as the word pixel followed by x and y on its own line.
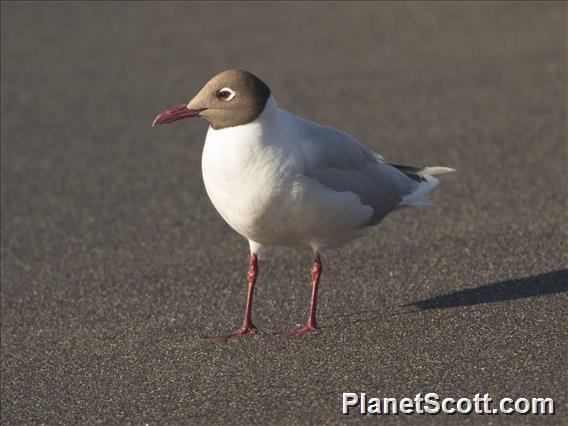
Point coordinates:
pixel 248 327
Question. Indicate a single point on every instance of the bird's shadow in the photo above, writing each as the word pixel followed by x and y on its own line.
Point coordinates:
pixel 518 288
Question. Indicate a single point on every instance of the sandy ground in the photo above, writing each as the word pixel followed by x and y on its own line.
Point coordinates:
pixel 115 264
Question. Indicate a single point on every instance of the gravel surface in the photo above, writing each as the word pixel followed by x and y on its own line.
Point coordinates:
pixel 115 264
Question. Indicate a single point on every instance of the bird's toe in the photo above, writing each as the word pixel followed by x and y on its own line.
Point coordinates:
pixel 308 329
pixel 243 331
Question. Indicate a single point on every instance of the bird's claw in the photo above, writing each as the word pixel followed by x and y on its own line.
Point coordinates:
pixel 251 329
pixel 301 331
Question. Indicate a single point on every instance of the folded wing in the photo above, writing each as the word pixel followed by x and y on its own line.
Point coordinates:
pixel 339 162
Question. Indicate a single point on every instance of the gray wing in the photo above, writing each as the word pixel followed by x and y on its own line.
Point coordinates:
pixel 339 162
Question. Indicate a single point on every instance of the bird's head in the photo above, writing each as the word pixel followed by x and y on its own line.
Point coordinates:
pixel 230 98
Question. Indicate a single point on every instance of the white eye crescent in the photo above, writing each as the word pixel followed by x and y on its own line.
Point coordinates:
pixel 226 94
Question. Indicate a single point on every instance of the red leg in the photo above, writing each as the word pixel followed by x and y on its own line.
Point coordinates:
pixel 248 327
pixel 311 326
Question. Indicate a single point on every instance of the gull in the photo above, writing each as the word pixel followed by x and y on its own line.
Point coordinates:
pixel 280 180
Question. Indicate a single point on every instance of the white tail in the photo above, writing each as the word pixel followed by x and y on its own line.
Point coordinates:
pixel 431 171
pixel 416 198
pixel 426 183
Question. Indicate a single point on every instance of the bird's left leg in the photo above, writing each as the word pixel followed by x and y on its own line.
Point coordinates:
pixel 311 326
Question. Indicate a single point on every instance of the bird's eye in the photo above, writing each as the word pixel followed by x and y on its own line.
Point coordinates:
pixel 226 94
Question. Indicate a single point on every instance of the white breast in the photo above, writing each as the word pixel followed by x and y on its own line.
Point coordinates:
pixel 242 172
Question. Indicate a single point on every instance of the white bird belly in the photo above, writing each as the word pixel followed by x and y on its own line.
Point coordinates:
pixel 274 208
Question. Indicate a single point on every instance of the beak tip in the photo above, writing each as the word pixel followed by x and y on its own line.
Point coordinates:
pixel 157 121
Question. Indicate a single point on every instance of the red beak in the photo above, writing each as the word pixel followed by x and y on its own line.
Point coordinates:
pixel 175 114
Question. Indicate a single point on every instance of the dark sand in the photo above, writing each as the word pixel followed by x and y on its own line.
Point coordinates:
pixel 115 264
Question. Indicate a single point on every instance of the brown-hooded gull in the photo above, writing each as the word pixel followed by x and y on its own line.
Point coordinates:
pixel 281 180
